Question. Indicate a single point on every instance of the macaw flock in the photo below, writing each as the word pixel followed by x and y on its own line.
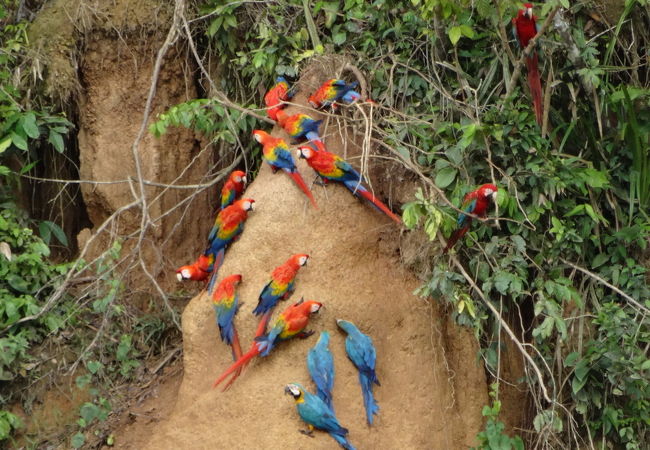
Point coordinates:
pixel 315 410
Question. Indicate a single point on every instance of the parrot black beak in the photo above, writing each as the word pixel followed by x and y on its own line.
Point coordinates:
pixel 287 391
pixel 528 13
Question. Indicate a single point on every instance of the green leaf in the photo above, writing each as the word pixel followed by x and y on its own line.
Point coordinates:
pixel 339 38
pixel 29 125
pixel 89 412
pixel 56 140
pixel 467 31
pixel 54 229
pixel 94 366
pixel 19 141
pixel 78 440
pixel 445 177
pixel 454 34
pixel 565 4
pixel 5 143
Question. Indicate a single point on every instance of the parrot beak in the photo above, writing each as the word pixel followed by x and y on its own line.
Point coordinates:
pixel 313 104
pixel 179 277
pixel 244 180
pixel 528 13
pixel 494 196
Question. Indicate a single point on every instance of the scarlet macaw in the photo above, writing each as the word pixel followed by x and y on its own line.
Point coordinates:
pixel 292 322
pixel 227 227
pixel 280 287
pixel 199 270
pixel 233 188
pixel 300 126
pixel 277 155
pixel 317 415
pixel 476 202
pixel 275 96
pixel 225 302
pixel 321 368
pixel 332 91
pixel 525 28
pixel 362 353
pixel 332 167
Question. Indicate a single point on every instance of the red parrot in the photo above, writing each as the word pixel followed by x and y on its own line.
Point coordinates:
pixel 280 287
pixel 226 304
pixel 524 29
pixel 332 91
pixel 476 202
pixel 292 322
pixel 227 227
pixel 277 155
pixel 233 188
pixel 199 270
pixel 273 99
pixel 332 167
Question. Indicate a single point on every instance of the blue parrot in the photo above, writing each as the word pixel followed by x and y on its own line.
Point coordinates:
pixel 363 355
pixel 321 368
pixel 316 413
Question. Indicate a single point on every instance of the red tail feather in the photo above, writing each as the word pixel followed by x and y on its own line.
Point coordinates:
pixel 535 87
pixel 371 198
pixel 457 234
pixel 236 351
pixel 320 145
pixel 301 184
pixel 240 363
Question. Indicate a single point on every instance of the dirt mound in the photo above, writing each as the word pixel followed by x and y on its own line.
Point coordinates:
pixel 432 389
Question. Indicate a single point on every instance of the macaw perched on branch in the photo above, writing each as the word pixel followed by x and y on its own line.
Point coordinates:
pixel 321 368
pixel 280 287
pixel 332 91
pixel 225 302
pixel 363 355
pixel 300 127
pixel 292 322
pixel 277 155
pixel 331 167
pixel 476 202
pixel 227 227
pixel 525 28
pixel 199 270
pixel 233 188
pixel 273 99
pixel 317 415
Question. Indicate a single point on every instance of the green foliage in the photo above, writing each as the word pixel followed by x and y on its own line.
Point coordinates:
pixel 493 437
pixel 8 423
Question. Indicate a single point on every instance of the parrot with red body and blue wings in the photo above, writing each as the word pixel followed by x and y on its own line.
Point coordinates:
pixel 476 203
pixel 332 91
pixel 525 28
pixel 233 188
pixel 225 302
pixel 273 99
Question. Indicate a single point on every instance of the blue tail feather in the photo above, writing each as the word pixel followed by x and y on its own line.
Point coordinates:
pixel 368 399
pixel 342 441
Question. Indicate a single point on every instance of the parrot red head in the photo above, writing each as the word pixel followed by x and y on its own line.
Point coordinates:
pixel 191 272
pixel 306 152
pixel 528 10
pixel 488 191
pixel 309 306
pixel 260 136
pixel 300 259
pixel 238 176
pixel 232 280
pixel 245 204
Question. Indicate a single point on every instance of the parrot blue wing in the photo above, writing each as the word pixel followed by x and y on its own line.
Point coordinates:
pixel 284 160
pixel 469 208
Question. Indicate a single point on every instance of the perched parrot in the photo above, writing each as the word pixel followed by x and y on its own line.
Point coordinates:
pixel 331 167
pixel 476 202
pixel 292 322
pixel 277 155
pixel 226 304
pixel 233 188
pixel 525 28
pixel 317 415
pixel 333 91
pixel 227 227
pixel 199 270
pixel 280 287
pixel 300 126
pixel 362 354
pixel 321 368
pixel 273 99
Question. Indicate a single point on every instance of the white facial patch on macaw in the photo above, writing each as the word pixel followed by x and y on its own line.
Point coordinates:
pixel 248 206
pixel 293 390
pixel 315 307
pixel 303 260
pixel 238 179
pixel 258 137
pixel 305 152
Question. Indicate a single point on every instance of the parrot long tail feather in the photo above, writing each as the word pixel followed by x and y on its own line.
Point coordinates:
pixel 326 397
pixel 295 176
pixel 343 442
pixel 216 265
pixel 535 85
pixel 264 321
pixel 368 399
pixel 236 353
pixel 360 190
pixel 240 363
pixel 457 234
